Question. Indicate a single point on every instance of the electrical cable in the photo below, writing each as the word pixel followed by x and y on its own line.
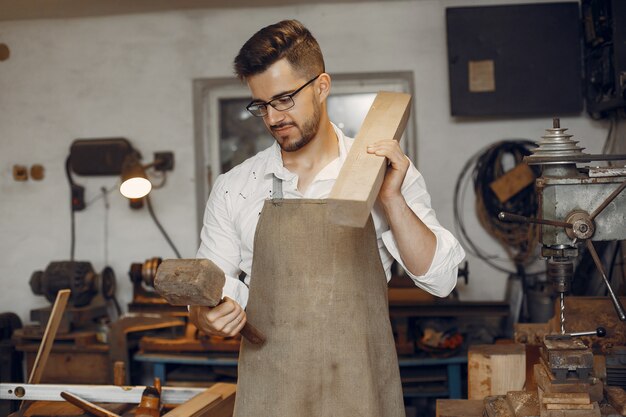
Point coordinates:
pixel 72 221
pixel 162 175
pixel 106 224
pixel 518 240
pixel 103 194
pixel 156 221
pixel 612 264
pixel 609 141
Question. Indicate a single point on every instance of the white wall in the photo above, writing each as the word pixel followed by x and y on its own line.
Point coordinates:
pixel 131 76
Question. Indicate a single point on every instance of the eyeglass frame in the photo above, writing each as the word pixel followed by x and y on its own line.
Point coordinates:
pixel 290 96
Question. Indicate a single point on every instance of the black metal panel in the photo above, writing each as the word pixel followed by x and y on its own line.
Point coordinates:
pixel 102 156
pixel 605 55
pixel 523 59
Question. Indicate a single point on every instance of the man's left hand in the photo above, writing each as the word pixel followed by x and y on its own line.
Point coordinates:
pixel 396 171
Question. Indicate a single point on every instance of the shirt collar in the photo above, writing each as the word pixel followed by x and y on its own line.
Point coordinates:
pixel 274 163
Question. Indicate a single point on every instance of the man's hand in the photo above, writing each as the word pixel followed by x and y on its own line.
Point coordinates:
pixel 416 242
pixel 226 319
pixel 396 171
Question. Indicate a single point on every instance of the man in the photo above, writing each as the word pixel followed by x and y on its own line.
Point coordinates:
pixel 311 280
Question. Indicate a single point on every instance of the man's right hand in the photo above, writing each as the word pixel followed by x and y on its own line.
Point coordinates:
pixel 226 319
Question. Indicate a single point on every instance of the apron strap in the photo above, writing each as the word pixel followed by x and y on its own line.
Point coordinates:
pixel 277 189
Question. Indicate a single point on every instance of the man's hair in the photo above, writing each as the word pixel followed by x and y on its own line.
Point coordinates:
pixel 286 39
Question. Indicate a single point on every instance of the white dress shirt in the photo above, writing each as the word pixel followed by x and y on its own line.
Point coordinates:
pixel 237 198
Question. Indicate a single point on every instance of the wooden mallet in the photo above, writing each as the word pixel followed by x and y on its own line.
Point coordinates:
pixel 196 282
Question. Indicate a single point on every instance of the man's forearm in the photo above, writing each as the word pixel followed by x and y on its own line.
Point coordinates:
pixel 416 242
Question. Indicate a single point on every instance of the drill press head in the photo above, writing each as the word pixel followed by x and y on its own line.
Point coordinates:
pixel 588 203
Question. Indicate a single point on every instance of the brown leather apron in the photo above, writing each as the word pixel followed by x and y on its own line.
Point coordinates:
pixel 319 294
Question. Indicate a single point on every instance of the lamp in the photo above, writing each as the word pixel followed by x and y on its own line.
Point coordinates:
pixel 134 181
pixel 115 156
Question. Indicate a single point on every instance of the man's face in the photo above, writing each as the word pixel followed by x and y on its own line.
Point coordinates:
pixel 297 126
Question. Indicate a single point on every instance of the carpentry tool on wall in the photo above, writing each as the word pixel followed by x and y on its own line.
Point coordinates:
pixel 196 282
pixel 576 205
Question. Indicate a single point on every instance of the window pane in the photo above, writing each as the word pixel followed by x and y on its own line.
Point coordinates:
pixel 243 135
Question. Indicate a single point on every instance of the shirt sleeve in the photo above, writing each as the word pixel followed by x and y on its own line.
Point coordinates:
pixel 220 242
pixel 441 277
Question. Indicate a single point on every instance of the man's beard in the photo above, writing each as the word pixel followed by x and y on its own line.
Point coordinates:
pixel 307 132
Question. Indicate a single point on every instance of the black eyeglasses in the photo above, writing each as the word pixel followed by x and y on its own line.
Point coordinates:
pixel 281 103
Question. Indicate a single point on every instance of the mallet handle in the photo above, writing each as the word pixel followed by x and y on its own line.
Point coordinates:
pixel 252 334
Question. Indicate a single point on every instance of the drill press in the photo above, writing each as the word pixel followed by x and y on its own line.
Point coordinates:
pixel 576 206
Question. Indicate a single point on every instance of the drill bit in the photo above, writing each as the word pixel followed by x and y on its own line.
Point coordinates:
pixel 562 313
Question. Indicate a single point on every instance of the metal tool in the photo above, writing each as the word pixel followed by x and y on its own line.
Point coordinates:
pixel 575 207
pixel 600 332
pixel 568 359
pixel 93 393
pixel 196 282
pixel 91 293
pixel 79 277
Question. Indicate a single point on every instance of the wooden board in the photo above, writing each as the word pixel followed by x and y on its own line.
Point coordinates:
pixel 459 408
pixel 356 189
pixel 617 398
pixel 216 401
pixel 39 364
pixel 513 182
pixel 594 411
pixel 63 408
pixel 48 338
pixel 566 398
pixel 495 370
pixel 570 406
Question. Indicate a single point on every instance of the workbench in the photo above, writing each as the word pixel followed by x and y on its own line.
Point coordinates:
pixel 452 365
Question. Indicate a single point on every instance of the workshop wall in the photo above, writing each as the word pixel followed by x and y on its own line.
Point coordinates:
pixel 131 76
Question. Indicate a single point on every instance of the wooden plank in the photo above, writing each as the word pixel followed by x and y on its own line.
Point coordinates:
pixel 359 181
pixel 616 396
pixel 593 412
pixel 62 409
pixel 570 406
pixel 223 408
pixel 192 406
pixel 566 398
pixel 48 338
pixel 216 401
pixel 460 408
pixel 119 373
pixel 495 370
pixel 56 315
